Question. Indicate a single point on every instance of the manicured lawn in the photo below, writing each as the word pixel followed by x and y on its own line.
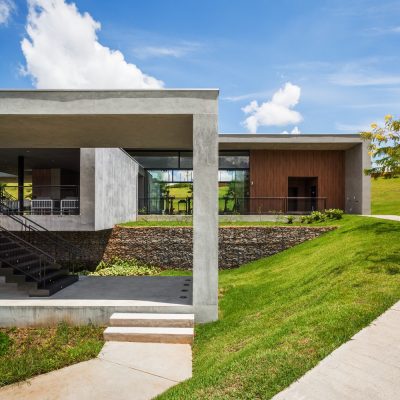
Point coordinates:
pixel 280 315
pixel 386 196
pixel 25 353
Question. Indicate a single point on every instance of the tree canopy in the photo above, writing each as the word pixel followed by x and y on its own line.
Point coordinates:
pixel 384 148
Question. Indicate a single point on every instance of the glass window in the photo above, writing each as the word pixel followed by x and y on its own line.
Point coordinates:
pixel 161 175
pixel 156 159
pixel 186 159
pixel 182 175
pixel 233 159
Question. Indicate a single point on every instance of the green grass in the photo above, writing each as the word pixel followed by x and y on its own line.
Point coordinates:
pixel 26 352
pixel 386 196
pixel 279 316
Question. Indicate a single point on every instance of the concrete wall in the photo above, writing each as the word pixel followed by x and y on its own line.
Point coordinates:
pixel 116 177
pixel 357 184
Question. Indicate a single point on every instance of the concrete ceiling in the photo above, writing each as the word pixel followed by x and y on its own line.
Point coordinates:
pixel 79 131
pixel 39 158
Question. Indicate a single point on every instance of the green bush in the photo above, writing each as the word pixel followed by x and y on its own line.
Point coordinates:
pixel 318 216
pixel 118 267
pixel 334 213
pixel 5 343
pixel 290 219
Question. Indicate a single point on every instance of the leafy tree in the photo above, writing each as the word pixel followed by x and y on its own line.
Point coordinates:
pixel 384 148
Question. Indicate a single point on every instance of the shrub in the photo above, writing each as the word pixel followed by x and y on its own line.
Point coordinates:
pixel 318 216
pixel 334 213
pixel 118 267
pixel 290 219
pixel 5 343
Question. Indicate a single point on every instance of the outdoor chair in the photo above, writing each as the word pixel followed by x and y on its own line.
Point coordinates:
pixel 42 206
pixel 69 205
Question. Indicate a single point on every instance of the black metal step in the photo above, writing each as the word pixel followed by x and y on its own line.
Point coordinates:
pixel 15 259
pixel 59 284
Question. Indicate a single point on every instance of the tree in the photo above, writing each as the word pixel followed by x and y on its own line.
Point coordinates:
pixel 384 148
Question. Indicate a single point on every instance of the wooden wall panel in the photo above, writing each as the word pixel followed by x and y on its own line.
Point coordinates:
pixel 270 170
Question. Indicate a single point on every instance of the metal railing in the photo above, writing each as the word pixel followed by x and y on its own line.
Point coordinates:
pixel 41 199
pixel 233 205
pixel 41 238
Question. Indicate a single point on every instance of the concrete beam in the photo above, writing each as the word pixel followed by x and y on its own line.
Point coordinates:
pixel 205 217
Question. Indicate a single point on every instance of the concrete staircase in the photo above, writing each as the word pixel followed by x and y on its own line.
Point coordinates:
pixel 150 328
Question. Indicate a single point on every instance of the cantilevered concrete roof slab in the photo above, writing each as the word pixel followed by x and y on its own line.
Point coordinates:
pixel 141 119
pixel 288 142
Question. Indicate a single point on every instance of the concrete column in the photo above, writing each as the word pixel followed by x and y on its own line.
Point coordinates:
pixel 205 217
pixel 357 184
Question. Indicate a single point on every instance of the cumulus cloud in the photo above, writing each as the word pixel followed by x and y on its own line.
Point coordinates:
pixel 6 9
pixel 62 51
pixel 294 131
pixel 276 112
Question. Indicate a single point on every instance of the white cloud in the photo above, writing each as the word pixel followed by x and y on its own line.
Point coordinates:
pixel 364 79
pixel 176 51
pixel 353 128
pixel 62 51
pixel 277 112
pixel 6 9
pixel 294 131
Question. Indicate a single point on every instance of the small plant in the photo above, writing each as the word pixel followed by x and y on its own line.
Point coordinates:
pixel 119 267
pixel 290 219
pixel 318 216
pixel 334 213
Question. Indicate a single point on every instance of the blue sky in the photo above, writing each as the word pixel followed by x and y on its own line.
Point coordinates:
pixel 341 58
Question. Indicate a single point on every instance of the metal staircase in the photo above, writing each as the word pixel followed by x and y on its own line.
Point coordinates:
pixel 33 261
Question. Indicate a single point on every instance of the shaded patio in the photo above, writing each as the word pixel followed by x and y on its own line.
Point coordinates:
pixel 94 299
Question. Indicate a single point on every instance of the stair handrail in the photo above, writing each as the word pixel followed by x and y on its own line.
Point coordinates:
pixel 36 227
pixel 26 243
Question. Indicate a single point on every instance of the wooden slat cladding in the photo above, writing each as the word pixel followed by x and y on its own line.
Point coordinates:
pixel 270 170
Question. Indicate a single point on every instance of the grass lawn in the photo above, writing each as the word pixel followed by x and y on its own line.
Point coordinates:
pixel 386 196
pixel 26 352
pixel 279 316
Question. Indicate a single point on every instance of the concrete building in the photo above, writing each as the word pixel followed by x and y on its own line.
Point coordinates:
pixel 87 160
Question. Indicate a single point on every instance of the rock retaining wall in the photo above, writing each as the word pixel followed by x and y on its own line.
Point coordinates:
pixel 171 247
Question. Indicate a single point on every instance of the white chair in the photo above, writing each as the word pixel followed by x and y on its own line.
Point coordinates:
pixel 69 205
pixel 42 206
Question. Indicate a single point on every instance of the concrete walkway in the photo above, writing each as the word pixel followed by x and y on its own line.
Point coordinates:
pixel 389 217
pixel 365 368
pixel 122 371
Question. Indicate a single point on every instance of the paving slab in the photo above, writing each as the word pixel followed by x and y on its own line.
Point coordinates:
pixel 139 371
pixel 389 217
pixel 365 368
pixel 173 362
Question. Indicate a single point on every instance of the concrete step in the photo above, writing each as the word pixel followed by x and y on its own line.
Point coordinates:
pixel 149 334
pixel 152 320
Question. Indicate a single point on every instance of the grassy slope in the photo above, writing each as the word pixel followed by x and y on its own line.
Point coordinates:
pixel 280 315
pixel 386 196
pixel 33 351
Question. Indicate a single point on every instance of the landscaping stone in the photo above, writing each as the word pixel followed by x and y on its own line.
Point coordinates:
pixel 171 247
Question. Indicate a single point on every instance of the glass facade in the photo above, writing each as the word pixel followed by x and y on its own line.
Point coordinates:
pixel 169 181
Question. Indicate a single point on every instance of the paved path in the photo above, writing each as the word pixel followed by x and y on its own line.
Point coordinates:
pixel 365 368
pixel 390 217
pixel 137 371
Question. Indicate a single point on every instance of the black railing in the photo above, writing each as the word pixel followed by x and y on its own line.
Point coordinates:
pixel 230 205
pixel 41 200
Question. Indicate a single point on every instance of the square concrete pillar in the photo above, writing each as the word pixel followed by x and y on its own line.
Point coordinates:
pixel 205 217
pixel 357 184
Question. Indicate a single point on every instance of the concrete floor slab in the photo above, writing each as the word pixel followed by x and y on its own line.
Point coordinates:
pixel 121 371
pixel 365 368
pixel 95 299
pixel 389 217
